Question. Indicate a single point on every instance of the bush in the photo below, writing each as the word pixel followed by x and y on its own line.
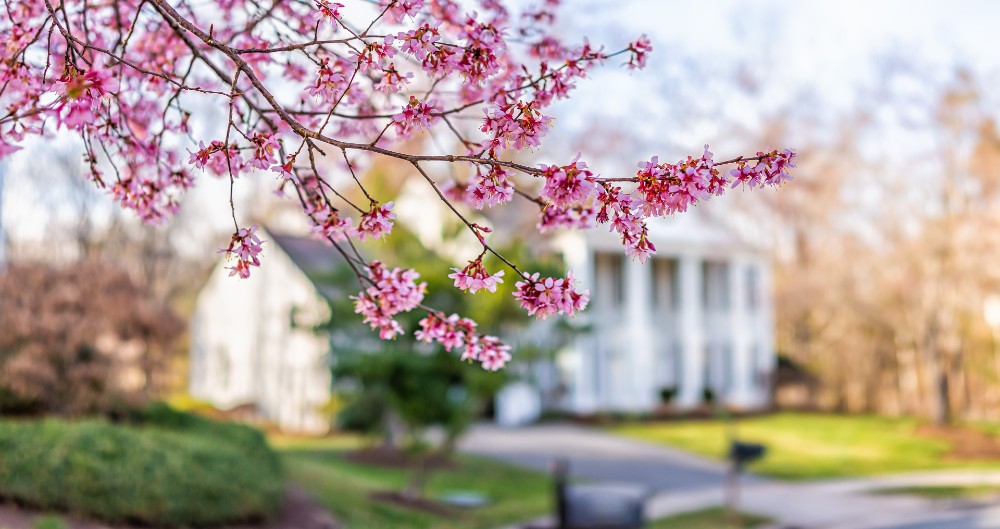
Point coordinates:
pixel 174 470
pixel 668 394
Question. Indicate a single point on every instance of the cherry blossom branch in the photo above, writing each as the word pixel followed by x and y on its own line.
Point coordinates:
pixel 122 77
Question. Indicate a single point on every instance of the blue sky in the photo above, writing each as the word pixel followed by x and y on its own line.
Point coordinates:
pixel 825 55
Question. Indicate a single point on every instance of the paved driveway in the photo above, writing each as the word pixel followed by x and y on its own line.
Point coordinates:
pixel 596 456
pixel 680 482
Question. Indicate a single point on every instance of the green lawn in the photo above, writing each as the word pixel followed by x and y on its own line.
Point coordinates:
pixel 344 487
pixel 810 446
pixel 707 519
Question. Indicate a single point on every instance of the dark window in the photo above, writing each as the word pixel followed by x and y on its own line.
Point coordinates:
pixel 753 288
pixel 609 275
pixel 666 295
pixel 715 285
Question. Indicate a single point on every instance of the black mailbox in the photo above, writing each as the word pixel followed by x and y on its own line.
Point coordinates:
pixel 741 453
pixel 596 506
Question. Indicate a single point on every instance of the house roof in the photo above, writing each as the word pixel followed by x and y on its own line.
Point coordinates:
pixel 319 261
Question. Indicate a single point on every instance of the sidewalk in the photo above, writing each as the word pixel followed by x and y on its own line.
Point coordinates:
pixel 835 504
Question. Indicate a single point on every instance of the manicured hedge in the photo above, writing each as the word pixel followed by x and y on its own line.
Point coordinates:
pixel 169 469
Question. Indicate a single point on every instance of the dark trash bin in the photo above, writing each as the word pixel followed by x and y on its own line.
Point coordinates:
pixel 596 506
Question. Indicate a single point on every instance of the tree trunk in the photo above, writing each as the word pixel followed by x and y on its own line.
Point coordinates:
pixel 942 400
pixel 418 479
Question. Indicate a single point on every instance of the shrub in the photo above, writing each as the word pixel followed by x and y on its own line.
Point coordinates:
pixel 248 439
pixel 174 470
pixel 668 394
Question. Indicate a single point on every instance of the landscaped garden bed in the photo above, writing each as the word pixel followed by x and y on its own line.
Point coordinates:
pixel 359 494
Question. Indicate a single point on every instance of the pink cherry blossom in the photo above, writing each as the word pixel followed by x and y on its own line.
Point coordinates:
pixel 392 292
pixel 519 125
pixel 474 277
pixel 488 351
pixel 491 188
pixel 638 50
pixel 771 169
pixel 453 332
pixel 376 222
pixel 398 9
pixel 419 42
pixel 331 81
pixel 415 117
pixel 245 247
pixel 569 185
pixel 330 225
pixel 263 152
pixel 329 10
pixel 217 158
pixel 544 297
pixel 553 217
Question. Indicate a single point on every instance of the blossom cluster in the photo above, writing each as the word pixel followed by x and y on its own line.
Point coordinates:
pixel 453 332
pixel 624 214
pixel 474 277
pixel 544 297
pixel 517 125
pixel 81 93
pixel 391 292
pixel 492 188
pixel 330 225
pixel 376 222
pixel 217 158
pixel 245 246
pixel 415 117
pixel 569 184
pixel 770 169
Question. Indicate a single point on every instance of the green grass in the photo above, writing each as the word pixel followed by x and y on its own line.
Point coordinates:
pixel 714 518
pixel 811 446
pixel 944 492
pixel 48 522
pixel 344 488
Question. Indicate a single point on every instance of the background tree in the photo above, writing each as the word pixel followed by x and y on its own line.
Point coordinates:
pixel 80 339
pixel 884 262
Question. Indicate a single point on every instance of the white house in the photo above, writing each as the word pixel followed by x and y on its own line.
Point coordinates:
pixel 697 315
pixel 254 341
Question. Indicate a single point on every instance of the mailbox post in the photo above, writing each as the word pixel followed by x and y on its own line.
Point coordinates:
pixel 740 454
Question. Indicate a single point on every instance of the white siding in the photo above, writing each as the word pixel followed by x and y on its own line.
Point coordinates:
pixel 246 349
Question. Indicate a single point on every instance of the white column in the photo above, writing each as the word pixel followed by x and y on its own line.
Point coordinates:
pixel 742 370
pixel 578 359
pixel 765 329
pixel 692 332
pixel 638 339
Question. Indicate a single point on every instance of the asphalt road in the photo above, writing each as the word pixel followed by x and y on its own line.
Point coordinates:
pixel 595 456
